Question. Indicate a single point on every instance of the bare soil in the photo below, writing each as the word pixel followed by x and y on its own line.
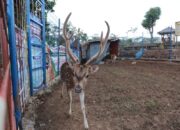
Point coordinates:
pixel 121 96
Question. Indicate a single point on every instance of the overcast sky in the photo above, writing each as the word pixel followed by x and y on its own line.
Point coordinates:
pixel 89 15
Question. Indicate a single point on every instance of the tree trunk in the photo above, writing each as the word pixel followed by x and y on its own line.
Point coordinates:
pixel 151 37
pixel 151 33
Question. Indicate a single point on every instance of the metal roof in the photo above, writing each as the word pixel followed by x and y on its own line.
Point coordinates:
pixel 167 30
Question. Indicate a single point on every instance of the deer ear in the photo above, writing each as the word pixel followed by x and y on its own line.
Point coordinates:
pixel 93 69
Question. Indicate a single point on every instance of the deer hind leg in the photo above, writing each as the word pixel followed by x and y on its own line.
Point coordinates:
pixel 62 89
pixel 81 95
pixel 70 101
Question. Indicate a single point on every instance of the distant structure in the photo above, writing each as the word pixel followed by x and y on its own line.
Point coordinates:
pixel 165 36
pixel 177 29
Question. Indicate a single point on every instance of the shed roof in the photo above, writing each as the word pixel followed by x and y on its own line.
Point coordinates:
pixel 167 30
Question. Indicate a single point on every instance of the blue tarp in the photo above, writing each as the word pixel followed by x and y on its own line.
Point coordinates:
pixel 139 54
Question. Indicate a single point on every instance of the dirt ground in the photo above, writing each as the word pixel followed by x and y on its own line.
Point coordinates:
pixel 121 96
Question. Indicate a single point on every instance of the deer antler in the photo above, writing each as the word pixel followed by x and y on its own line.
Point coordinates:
pixel 67 40
pixel 101 46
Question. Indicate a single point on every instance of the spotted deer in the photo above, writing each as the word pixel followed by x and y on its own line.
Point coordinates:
pixel 74 75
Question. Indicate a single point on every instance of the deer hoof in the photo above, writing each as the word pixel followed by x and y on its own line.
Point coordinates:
pixel 87 128
pixel 69 114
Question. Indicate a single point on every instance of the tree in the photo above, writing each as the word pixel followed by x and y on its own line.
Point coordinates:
pixel 150 20
pixel 50 5
pixel 52 37
pixel 48 9
pixel 77 33
pixel 81 35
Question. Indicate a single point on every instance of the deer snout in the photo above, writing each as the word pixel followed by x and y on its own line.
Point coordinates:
pixel 78 89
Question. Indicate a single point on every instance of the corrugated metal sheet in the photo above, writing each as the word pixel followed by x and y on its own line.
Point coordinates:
pixel 167 30
pixel 93 48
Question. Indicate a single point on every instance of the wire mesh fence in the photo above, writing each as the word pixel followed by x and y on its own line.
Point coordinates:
pixel 55 49
pixel 150 49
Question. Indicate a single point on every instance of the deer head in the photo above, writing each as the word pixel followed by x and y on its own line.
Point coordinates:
pixel 81 72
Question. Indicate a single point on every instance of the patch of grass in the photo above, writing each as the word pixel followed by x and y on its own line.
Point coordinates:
pixel 132 107
pixel 122 105
pixel 151 105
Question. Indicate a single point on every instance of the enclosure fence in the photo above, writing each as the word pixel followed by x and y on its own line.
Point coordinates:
pixel 7 118
pixel 55 52
pixel 25 23
pixel 157 50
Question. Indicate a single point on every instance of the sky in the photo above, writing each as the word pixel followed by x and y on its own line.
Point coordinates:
pixel 122 15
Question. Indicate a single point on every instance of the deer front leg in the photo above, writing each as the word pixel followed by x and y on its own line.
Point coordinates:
pixel 81 95
pixel 70 102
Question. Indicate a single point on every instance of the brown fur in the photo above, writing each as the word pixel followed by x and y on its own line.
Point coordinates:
pixel 67 76
pixel 75 75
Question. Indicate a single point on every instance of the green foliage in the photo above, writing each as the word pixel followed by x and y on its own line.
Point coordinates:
pixel 126 42
pixel 150 20
pixel 77 32
pixel 151 105
pixel 51 38
pixel 81 35
pixel 50 5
